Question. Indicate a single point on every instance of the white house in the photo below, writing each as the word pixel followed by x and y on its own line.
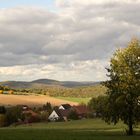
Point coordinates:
pixel 65 106
pixel 53 116
pixel 61 107
pixel 60 114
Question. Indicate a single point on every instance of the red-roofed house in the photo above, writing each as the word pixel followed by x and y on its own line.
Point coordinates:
pixel 81 110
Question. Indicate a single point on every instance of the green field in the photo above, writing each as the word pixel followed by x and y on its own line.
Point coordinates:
pixel 90 129
pixel 75 99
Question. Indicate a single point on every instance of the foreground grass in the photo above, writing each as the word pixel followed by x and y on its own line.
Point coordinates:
pixel 74 130
pixel 74 99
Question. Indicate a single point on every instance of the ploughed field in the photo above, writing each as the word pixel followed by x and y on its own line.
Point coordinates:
pixel 87 129
pixel 31 100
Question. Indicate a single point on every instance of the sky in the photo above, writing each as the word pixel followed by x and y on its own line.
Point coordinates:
pixel 16 3
pixel 67 40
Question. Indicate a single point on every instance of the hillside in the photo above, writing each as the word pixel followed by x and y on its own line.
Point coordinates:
pixel 57 88
pixel 42 83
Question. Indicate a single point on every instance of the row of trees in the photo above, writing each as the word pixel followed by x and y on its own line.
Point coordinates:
pixel 5 88
pixel 83 92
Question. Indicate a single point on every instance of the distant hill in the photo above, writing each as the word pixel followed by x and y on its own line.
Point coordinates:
pixel 42 83
pixel 46 81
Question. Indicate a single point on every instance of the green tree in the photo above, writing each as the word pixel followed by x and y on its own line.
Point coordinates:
pixel 47 107
pixel 2 120
pixel 13 114
pixel 124 86
pixel 73 115
pixel 98 105
pixel 44 116
pixel 2 116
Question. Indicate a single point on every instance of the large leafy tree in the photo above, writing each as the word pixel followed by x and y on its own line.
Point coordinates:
pixel 124 86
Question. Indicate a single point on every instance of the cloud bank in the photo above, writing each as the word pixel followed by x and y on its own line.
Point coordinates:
pixel 74 42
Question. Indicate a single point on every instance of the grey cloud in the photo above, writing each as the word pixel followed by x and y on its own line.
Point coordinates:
pixel 31 35
pixel 73 71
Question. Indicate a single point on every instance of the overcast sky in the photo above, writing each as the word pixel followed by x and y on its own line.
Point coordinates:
pixel 63 39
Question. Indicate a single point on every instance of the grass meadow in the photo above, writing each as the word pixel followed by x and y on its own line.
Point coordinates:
pixel 88 129
pixel 75 99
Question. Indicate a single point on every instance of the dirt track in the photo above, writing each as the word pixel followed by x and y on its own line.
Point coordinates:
pixel 30 100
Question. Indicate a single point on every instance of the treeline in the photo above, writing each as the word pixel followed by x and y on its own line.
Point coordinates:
pixel 5 88
pixel 55 91
pixel 84 92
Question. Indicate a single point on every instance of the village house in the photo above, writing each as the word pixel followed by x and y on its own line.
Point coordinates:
pixel 29 115
pixel 65 106
pixel 81 111
pixel 54 116
pixel 61 113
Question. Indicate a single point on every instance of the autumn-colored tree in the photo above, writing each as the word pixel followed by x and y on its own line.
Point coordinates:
pixel 1 91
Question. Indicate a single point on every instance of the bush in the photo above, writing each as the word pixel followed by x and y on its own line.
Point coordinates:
pixel 2 120
pixel 73 115
pixel 33 119
pixel 13 114
pixel 47 107
pixel 44 116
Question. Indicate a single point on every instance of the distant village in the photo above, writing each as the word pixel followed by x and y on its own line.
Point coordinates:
pixel 23 114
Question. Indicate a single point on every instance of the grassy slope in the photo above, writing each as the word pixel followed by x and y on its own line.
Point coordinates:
pixel 94 129
pixel 74 99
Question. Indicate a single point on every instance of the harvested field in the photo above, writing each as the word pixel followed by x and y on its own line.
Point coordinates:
pixel 31 100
